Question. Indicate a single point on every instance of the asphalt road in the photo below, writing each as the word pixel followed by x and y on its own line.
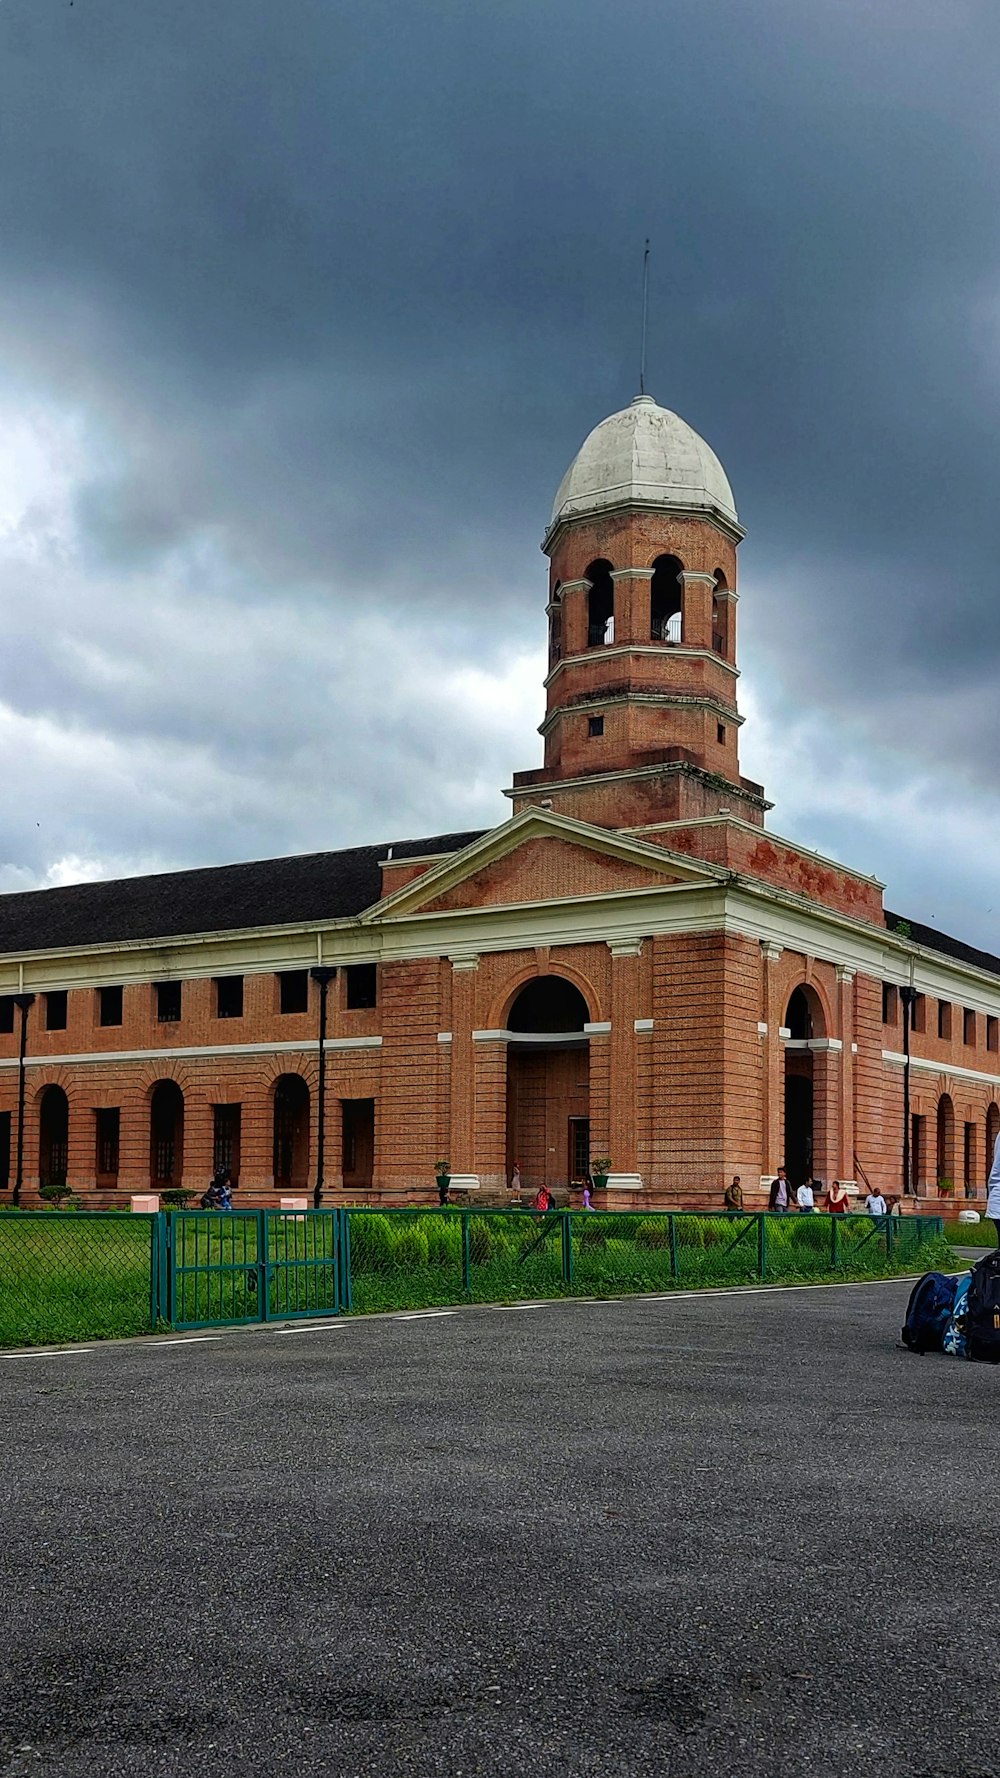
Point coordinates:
pixel 736 1534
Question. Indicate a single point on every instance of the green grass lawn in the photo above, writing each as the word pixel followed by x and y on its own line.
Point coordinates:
pixel 971 1234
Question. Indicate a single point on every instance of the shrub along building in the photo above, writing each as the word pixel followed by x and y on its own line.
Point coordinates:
pixel 630 966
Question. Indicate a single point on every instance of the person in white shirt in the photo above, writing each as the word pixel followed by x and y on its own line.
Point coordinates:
pixel 805 1200
pixel 876 1205
pixel 993 1191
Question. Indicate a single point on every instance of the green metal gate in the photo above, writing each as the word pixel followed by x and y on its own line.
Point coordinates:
pixel 249 1265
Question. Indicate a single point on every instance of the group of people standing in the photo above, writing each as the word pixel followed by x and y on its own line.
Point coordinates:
pixel 784 1198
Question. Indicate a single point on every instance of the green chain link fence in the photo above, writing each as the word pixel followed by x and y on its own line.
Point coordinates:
pixel 65 1276
pixel 420 1258
pixel 68 1276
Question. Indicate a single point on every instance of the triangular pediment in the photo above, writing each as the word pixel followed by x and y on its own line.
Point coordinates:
pixel 542 857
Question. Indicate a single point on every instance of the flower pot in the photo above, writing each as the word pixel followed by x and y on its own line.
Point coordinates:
pixel 599 1181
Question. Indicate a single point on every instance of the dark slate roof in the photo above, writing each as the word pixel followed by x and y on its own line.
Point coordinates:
pixel 222 898
pixel 939 941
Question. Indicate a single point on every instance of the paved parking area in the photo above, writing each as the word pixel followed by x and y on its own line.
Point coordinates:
pixel 725 1534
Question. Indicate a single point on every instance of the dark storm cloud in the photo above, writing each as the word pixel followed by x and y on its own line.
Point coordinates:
pixel 337 289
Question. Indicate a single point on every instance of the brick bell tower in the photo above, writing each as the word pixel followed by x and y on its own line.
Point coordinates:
pixel 641 724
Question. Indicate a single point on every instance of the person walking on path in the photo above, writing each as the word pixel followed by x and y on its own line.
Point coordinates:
pixel 837 1199
pixel 733 1196
pixel 993 1191
pixel 781 1193
pixel 805 1198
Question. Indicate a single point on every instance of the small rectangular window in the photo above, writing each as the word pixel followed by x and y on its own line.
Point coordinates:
pixel 55 1010
pixel 918 1013
pixel 889 999
pixel 293 988
pixel 109 1006
pixel 229 996
pixel 968 1027
pixel 944 1019
pixel 6 1012
pixel 992 1033
pixel 362 985
pixel 5 1123
pixel 108 1123
pixel 720 733
pixel 595 725
pixel 168 1003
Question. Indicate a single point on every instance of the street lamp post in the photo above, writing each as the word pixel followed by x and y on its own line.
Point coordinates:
pixel 906 995
pixel 24 1002
pixel 324 977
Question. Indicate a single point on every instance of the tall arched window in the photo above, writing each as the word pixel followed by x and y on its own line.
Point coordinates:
pixel 53 1154
pixel 992 1132
pixel 166 1135
pixel 665 621
pixel 600 605
pixel 291 1132
pixel 945 1139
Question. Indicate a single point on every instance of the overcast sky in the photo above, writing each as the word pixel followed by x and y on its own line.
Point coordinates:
pixel 306 306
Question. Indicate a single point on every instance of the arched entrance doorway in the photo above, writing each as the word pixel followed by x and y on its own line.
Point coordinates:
pixel 291 1133
pixel 548 1084
pixel 803 1021
pixel 166 1135
pixel 53 1135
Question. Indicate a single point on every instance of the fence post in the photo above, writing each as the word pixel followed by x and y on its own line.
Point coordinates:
pixel 156 1270
pixel 761 1247
pixel 672 1232
pixel 567 1248
pixel 466 1256
pixel 890 1237
pixel 346 1296
pixel 834 1242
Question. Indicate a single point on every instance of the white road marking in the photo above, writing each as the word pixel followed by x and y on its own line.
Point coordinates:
pixel 425 1314
pixel 50 1352
pixel 312 1327
pixel 686 1296
pixel 187 1340
pixel 509 1307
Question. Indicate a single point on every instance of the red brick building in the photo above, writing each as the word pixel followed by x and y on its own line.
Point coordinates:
pixel 631 966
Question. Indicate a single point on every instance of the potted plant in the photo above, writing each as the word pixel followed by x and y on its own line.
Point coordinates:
pixel 600 1167
pixel 442 1170
pixel 946 1187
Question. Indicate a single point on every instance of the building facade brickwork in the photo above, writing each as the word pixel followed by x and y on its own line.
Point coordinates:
pixel 632 968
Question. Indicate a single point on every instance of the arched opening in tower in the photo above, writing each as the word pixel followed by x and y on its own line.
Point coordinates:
pixel 548 1086
pixel 600 605
pixel 665 619
pixel 720 610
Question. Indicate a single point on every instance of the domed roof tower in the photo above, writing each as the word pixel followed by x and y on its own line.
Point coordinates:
pixel 645 456
pixel 641 722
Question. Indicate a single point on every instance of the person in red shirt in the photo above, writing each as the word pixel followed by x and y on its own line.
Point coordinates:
pixel 837 1199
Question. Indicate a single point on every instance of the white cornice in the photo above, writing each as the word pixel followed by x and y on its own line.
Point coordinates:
pixel 659 651
pixel 928 1067
pixel 189 1052
pixel 662 700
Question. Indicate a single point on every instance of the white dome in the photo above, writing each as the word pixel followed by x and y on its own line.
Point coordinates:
pixel 644 456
